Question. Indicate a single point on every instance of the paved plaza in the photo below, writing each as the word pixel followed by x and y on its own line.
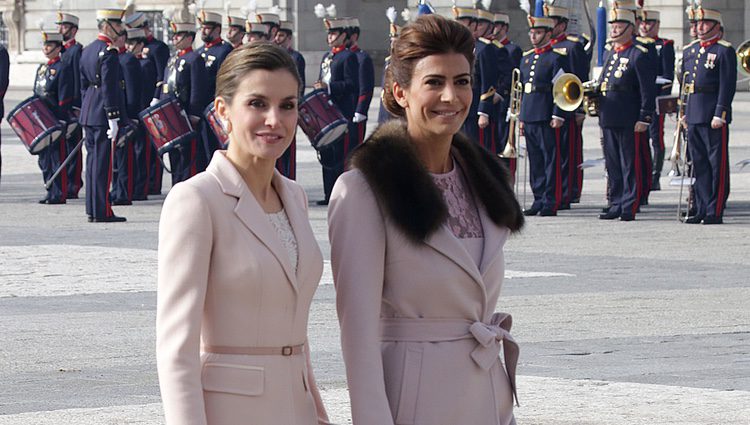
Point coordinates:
pixel 645 322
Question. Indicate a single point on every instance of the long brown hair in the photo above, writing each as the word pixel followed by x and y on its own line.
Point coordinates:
pixel 428 35
pixel 247 58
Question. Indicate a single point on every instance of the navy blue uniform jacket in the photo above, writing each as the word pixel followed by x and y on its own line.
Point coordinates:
pixel 628 83
pixel 665 68
pixel 131 72
pixel 213 55
pixel 366 80
pixel 102 95
pixel 713 72
pixel 54 83
pixel 191 78
pixel 159 52
pixel 344 84
pixel 536 102
pixel 300 61
pixel 72 56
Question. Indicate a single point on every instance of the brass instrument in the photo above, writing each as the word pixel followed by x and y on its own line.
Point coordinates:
pixel 591 96
pixel 567 92
pixel 743 57
pixel 681 167
pixel 514 111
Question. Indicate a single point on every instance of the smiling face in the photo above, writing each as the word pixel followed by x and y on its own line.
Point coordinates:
pixel 437 100
pixel 620 31
pixel 262 114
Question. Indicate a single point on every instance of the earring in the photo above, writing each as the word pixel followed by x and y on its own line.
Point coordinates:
pixel 227 125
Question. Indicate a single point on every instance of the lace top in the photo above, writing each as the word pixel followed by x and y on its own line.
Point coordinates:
pixel 280 222
pixel 463 216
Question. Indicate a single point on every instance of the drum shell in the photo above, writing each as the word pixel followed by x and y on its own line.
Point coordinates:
pixel 35 124
pixel 216 125
pixel 320 119
pixel 167 124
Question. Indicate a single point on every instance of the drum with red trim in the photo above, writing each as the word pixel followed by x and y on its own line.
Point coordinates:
pixel 320 119
pixel 167 124
pixel 35 124
pixel 216 125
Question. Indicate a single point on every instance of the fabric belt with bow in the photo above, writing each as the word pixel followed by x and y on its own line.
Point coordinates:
pixel 491 338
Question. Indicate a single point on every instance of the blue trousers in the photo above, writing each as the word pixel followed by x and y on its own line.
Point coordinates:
pixel 184 160
pixel 543 144
pixel 98 172
pixel 287 163
pixel 141 159
pixel 656 132
pixel 709 152
pixel 333 158
pixel 622 153
pixel 49 161
pixel 123 173
pixel 75 167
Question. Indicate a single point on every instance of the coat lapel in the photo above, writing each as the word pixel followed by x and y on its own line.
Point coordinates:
pixel 296 212
pixel 250 213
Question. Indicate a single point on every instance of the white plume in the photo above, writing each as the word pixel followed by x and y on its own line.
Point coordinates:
pixel 550 2
pixel 227 7
pixel 391 14
pixel 275 9
pixel 40 24
pixel 320 11
pixel 169 12
pixel 331 10
pixel 525 6
pixel 249 9
pixel 192 7
pixel 486 4
pixel 59 4
pixel 127 3
pixel 406 15
pixel 697 3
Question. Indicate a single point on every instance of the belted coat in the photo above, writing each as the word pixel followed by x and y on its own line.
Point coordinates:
pixel 419 333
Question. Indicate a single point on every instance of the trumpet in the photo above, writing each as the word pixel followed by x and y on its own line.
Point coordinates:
pixel 514 111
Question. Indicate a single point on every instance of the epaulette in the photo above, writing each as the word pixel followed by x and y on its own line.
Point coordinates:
pixel 693 42
pixel 641 48
pixel 586 37
pixel 645 40
pixel 573 38
pixel 724 43
pixel 497 44
pixel 485 41
pixel 608 46
pixel 561 51
pixel 528 52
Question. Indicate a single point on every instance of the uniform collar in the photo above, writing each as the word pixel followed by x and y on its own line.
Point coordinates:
pixel 504 41
pixel 121 50
pixel 54 60
pixel 546 48
pixel 559 38
pixel 338 49
pixel 104 38
pixel 624 46
pixel 183 52
pixel 355 48
pixel 711 42
pixel 150 38
pixel 70 43
pixel 212 43
pixel 139 56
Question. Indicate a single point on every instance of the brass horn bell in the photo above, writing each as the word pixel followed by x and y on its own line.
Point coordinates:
pixel 567 92
pixel 743 57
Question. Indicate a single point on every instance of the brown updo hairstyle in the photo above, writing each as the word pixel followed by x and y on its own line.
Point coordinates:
pixel 250 57
pixel 428 35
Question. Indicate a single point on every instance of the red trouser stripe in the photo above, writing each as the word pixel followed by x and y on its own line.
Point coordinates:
pixel 558 170
pixel 572 140
pixel 637 162
pixel 131 174
pixel 193 157
pixel 148 166
pixel 723 175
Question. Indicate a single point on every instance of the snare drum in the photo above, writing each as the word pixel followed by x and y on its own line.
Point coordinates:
pixel 35 124
pixel 167 124
pixel 216 125
pixel 320 119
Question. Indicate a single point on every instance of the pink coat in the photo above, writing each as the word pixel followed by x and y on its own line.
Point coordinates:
pixel 226 281
pixel 419 335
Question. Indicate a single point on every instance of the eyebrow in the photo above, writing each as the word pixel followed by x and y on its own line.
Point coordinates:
pixel 443 76
pixel 260 96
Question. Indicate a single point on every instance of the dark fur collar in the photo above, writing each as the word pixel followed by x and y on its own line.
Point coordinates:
pixel 409 196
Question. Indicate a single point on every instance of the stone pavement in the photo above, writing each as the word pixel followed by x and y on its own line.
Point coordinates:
pixel 645 322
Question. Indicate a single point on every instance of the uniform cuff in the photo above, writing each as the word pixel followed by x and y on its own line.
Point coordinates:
pixel 112 113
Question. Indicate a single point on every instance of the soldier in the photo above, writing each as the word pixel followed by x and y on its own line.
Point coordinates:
pixel 490 66
pixel 287 164
pixel 338 76
pixel 649 28
pixel 68 27
pixel 4 80
pixel 500 39
pixel 135 43
pixel 123 173
pixel 102 112
pixel 272 21
pixel 256 31
pixel 235 31
pixel 627 83
pixel 366 81
pixel 185 78
pixel 213 52
pixel 712 67
pixel 542 120
pixel 54 84
pixel 572 132
pixel 158 51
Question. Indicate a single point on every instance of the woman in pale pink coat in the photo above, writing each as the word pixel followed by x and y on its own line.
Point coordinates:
pixel 239 264
pixel 417 230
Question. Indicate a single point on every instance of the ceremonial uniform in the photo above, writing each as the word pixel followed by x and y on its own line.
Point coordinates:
pixel 366 84
pixel 627 83
pixel 491 64
pixel 213 54
pixel 287 163
pixel 71 55
pixel 185 78
pixel 103 99
pixel 514 55
pixel 4 81
pixel 124 171
pixel 54 84
pixel 712 68
pixel 543 143
pixel 158 51
pixel 647 164
pixel 665 70
pixel 338 69
pixel 145 153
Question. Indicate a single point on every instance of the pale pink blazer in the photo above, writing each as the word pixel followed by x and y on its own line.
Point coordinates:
pixel 419 337
pixel 225 280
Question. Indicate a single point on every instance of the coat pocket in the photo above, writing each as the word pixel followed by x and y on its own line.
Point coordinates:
pixel 407 403
pixel 233 379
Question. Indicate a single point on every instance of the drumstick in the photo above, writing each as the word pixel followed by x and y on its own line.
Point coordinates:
pixel 64 164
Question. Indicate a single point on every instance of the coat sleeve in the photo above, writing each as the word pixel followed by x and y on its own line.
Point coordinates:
pixel 727 84
pixel 366 84
pixel 185 242
pixel 349 83
pixel 505 72
pixel 111 79
pixel 357 235
pixel 667 61
pixel 489 75
pixel 66 90
pixel 646 72
pixel 199 95
pixel 133 86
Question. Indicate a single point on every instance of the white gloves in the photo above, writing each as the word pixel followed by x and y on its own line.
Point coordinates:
pixel 113 128
pixel 359 117
pixel 154 101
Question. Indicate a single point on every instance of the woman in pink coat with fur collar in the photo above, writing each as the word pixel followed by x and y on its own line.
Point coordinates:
pixel 417 230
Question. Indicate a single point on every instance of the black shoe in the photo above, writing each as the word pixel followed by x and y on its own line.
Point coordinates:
pixel 122 202
pixel 90 218
pixel 110 219
pixel 43 201
pixel 643 202
pixel 609 215
pixel 627 217
pixel 605 209
pixel 563 207
pixel 55 201
pixel 694 219
pixel 547 212
pixel 575 201
pixel 655 185
pixel 145 198
pixel 322 202
pixel 72 196
pixel 534 210
pixel 712 219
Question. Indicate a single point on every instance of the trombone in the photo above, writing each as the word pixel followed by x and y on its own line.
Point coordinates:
pixel 514 132
pixel 681 166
